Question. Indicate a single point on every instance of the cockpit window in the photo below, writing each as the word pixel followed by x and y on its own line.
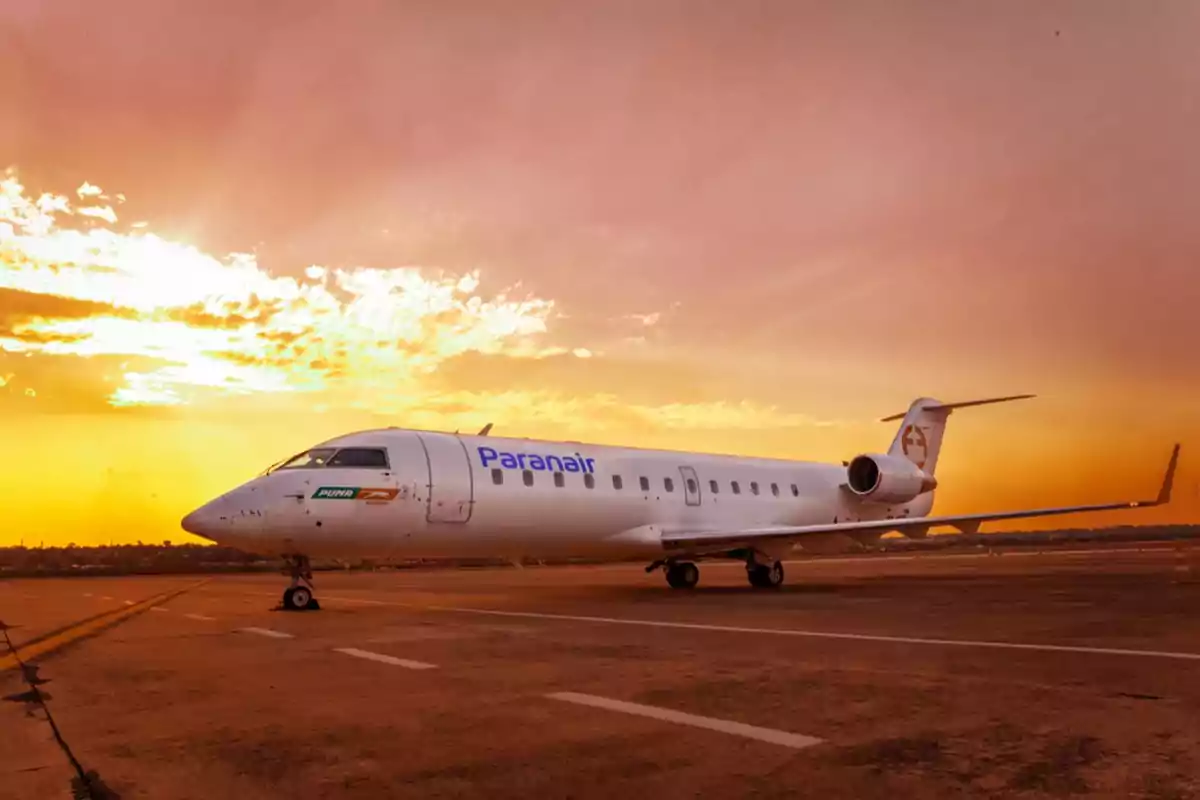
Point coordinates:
pixel 309 459
pixel 360 457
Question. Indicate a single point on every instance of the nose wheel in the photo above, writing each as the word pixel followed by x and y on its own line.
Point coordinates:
pixel 299 596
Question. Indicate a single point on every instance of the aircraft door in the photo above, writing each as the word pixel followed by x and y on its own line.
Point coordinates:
pixel 451 485
pixel 691 486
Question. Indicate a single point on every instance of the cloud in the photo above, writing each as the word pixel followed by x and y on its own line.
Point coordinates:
pixel 143 321
pixel 227 324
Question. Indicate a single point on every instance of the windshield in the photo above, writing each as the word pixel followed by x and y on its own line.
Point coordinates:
pixel 375 457
pixel 308 459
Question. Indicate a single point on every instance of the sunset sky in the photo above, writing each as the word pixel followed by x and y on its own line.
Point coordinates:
pixel 230 230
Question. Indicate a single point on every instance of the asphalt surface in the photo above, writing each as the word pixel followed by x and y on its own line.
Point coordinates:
pixel 1021 675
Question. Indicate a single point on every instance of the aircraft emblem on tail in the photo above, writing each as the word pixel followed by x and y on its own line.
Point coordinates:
pixel 915 445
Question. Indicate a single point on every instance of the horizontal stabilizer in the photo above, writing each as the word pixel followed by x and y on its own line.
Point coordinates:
pixel 964 404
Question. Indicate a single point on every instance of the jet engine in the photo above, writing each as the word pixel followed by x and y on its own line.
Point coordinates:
pixel 887 479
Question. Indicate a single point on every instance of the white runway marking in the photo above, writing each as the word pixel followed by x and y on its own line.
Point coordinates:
pixel 396 662
pixel 106 597
pixel 127 602
pixel 157 608
pixel 201 617
pixel 861 637
pixel 794 740
pixel 87 594
pixel 268 632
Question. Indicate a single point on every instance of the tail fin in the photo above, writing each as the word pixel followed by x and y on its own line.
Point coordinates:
pixel 920 436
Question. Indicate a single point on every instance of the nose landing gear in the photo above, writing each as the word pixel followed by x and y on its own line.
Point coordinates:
pixel 299 596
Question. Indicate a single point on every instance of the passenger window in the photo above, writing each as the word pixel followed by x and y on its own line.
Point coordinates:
pixel 617 482
pixel 795 491
pixel 691 484
pixel 645 484
pixel 558 479
pixel 589 480
pixel 497 476
pixel 528 475
pixel 309 459
pixel 669 484
pixel 368 457
pixel 775 489
pixel 736 489
pixel 754 487
pixel 713 487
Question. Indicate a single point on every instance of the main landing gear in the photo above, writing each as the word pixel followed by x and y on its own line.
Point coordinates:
pixel 299 596
pixel 682 574
pixel 762 576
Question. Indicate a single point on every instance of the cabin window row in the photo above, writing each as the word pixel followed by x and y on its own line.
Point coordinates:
pixel 589 481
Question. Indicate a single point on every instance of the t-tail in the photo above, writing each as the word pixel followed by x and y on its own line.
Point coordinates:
pixel 923 427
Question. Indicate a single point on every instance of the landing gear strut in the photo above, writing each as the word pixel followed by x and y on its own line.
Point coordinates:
pixel 762 576
pixel 682 574
pixel 299 596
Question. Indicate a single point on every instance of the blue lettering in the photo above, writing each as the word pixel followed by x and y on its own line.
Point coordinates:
pixel 536 461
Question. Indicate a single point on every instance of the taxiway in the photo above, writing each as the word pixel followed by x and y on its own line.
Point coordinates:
pixel 1024 674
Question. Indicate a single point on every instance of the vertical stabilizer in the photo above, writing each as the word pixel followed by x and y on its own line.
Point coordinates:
pixel 922 428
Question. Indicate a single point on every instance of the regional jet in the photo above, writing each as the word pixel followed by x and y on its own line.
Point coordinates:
pixel 399 493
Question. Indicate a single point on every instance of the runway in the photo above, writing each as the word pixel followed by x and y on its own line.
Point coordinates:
pixel 928 676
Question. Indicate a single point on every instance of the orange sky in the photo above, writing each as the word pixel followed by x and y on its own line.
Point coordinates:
pixel 693 226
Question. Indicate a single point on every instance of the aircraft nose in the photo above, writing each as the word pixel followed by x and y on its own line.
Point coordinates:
pixel 202 522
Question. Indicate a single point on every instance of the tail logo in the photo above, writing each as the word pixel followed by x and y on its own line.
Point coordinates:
pixel 914 445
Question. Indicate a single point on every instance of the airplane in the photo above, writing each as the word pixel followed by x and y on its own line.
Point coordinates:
pixel 395 493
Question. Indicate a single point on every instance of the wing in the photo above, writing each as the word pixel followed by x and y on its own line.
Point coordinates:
pixel 965 523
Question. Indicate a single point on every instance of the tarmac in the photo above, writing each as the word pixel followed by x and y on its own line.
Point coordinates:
pixel 1024 674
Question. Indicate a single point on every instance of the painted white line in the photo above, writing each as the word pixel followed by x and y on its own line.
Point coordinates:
pixel 105 597
pixel 859 637
pixel 127 602
pixel 201 617
pixel 358 600
pixel 397 662
pixel 268 632
pixel 157 608
pixel 87 594
pixel 793 740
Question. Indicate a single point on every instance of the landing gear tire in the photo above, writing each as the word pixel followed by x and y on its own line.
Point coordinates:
pixel 683 575
pixel 299 596
pixel 764 577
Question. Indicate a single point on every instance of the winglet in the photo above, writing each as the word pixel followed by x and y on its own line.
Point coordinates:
pixel 486 430
pixel 1164 494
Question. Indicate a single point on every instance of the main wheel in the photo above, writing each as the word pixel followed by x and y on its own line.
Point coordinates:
pixel 766 577
pixel 298 598
pixel 683 575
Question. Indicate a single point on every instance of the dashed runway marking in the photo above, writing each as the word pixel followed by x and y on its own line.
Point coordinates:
pixel 201 617
pixel 396 662
pixel 794 740
pixel 268 632
pixel 158 608
pixel 127 602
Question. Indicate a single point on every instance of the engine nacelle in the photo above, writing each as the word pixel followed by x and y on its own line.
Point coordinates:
pixel 887 479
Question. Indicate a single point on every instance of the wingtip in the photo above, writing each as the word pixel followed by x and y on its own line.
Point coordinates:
pixel 1168 484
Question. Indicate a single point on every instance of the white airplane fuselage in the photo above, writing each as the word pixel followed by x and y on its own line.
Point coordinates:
pixel 449 495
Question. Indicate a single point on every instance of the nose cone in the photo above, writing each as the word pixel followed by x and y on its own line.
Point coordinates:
pixel 202 522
